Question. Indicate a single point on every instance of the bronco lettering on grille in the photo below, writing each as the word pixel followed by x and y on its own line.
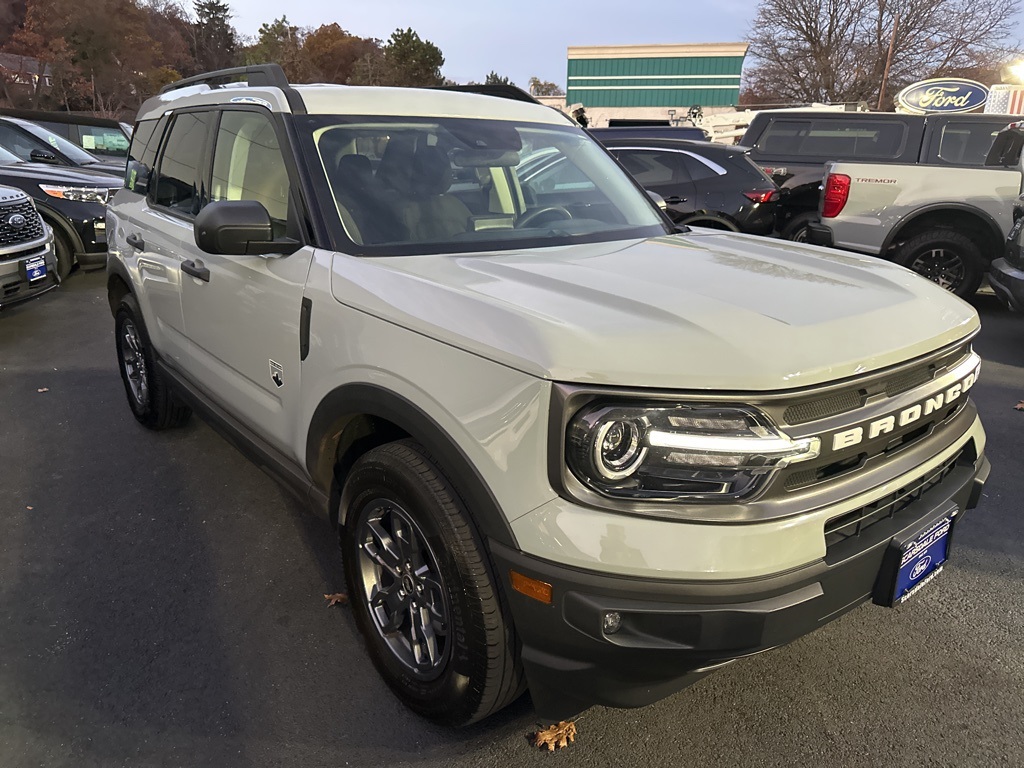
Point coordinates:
pixel 872 429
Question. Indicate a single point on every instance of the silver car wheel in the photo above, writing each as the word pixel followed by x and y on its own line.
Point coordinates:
pixel 941 266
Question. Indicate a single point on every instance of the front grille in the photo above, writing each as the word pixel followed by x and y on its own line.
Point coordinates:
pixel 32 229
pixel 856 522
pixel 823 406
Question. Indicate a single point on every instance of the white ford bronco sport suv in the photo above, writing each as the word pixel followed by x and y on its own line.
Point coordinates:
pixel 565 446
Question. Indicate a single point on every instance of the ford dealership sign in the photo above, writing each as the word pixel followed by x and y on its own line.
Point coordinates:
pixel 942 95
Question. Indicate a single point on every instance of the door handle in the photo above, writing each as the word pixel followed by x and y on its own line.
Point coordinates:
pixel 196 270
pixel 136 242
pixel 675 200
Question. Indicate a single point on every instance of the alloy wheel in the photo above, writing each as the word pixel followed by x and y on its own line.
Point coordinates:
pixel 403 589
pixel 942 266
pixel 134 362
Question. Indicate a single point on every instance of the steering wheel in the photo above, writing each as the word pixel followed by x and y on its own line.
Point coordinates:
pixel 532 216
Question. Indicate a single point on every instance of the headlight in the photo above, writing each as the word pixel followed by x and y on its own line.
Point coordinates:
pixel 79 194
pixel 680 453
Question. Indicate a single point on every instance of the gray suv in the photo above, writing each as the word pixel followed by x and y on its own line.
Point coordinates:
pixel 28 265
pixel 565 446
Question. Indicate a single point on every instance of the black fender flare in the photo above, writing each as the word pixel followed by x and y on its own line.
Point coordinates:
pixel 116 272
pixel 893 235
pixel 350 401
pixel 58 221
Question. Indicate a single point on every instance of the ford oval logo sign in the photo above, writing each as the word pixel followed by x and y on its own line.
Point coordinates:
pixel 16 221
pixel 921 567
pixel 942 95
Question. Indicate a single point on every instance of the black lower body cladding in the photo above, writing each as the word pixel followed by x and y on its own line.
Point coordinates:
pixel 670 634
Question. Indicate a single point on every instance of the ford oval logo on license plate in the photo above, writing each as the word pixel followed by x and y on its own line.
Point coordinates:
pixel 943 94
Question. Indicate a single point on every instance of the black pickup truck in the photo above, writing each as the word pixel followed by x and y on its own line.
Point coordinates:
pixel 793 147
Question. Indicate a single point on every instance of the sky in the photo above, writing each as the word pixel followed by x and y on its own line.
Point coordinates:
pixel 518 39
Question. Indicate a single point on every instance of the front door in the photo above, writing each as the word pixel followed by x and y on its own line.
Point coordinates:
pixel 242 317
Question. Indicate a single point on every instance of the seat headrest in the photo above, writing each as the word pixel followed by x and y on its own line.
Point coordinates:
pixel 431 172
pixel 355 170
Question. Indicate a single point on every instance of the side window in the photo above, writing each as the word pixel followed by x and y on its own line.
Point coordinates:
pixel 248 164
pixel 179 185
pixel 654 169
pixel 101 140
pixel 700 169
pixel 967 143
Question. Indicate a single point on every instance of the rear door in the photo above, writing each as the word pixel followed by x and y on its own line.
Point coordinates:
pixel 242 317
pixel 157 234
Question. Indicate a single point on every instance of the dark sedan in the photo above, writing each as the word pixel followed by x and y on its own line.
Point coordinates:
pixel 33 143
pixel 72 201
pixel 703 184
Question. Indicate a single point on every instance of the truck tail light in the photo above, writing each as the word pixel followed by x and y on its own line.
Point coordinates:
pixel 762 195
pixel 837 192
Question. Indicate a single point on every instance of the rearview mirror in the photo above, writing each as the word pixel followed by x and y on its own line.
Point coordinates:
pixel 137 177
pixel 43 156
pixel 239 228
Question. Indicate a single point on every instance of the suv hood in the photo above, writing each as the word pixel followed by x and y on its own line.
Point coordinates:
pixel 705 310
pixel 54 174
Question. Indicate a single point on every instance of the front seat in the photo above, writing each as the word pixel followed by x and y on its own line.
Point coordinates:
pixel 431 213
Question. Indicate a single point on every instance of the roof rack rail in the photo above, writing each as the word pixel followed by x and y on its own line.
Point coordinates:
pixel 256 75
pixel 502 91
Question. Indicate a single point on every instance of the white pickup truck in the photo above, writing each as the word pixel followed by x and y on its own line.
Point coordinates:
pixel 947 224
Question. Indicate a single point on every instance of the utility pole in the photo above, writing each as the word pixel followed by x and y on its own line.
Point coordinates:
pixel 888 60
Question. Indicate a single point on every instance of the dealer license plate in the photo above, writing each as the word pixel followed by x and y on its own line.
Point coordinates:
pixel 35 268
pixel 921 559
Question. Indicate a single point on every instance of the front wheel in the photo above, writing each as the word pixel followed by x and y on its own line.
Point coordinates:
pixel 946 257
pixel 149 396
pixel 422 591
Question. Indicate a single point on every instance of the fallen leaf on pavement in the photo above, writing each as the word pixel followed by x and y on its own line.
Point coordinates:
pixel 338 598
pixel 43 389
pixel 555 736
pixel 28 507
pixel 1019 406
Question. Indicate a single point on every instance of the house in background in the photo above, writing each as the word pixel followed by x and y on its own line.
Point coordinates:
pixel 23 79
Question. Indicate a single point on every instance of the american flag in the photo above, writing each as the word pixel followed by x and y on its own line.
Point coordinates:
pixel 1004 99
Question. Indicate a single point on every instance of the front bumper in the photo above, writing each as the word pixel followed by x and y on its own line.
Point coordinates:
pixel 673 633
pixel 1008 283
pixel 14 283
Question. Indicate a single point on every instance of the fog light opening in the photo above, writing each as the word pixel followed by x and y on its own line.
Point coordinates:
pixel 612 622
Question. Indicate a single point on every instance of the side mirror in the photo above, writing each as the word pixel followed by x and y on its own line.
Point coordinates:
pixel 136 177
pixel 239 228
pixel 43 156
pixel 658 199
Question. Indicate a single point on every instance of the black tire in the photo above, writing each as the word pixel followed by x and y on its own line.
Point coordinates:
pixel 407 538
pixel 946 257
pixel 64 253
pixel 796 228
pixel 149 395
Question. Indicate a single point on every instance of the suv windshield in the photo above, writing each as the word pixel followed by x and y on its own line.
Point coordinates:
pixel 436 185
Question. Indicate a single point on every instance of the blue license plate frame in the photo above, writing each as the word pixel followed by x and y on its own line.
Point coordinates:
pixel 922 559
pixel 35 269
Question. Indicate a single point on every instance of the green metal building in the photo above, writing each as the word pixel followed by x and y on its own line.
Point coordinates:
pixel 643 82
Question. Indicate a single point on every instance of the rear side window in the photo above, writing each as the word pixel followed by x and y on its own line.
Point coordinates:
pixel 967 143
pixel 179 185
pixel 653 168
pixel 834 140
pixel 101 140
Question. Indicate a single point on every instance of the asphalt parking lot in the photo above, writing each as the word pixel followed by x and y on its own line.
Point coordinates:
pixel 161 603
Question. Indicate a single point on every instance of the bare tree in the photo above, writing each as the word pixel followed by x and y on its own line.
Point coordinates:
pixel 835 50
